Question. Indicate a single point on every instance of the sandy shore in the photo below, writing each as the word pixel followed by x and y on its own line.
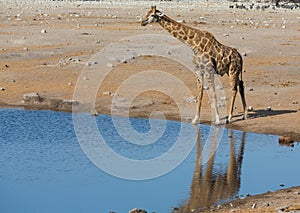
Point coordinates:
pixel 46 48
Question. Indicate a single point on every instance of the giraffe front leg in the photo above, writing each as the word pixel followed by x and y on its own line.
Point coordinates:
pixel 233 95
pixel 196 120
pixel 213 97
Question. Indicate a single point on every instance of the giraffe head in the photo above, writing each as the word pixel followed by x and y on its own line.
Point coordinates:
pixel 153 15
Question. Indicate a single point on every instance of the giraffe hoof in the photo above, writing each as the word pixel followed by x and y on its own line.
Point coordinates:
pixel 227 120
pixel 217 122
pixel 195 121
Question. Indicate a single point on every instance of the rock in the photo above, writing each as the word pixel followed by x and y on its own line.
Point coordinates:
pixel 70 84
pixel 110 65
pixel 250 89
pixel 43 31
pixel 268 108
pixel 32 98
pixel 220 104
pixel 70 102
pixel 2 89
pixel 295 102
pixel 85 78
pixel 285 140
pixel 250 108
pixel 253 206
pixel 191 99
pixel 106 93
pixel 136 210
pixel 26 49
pixel 125 103
pixel 244 54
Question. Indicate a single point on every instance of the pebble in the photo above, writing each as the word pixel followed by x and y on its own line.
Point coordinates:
pixel 191 99
pixel 70 84
pixel 85 78
pixel 73 102
pixel 295 102
pixel 106 93
pixel 13 80
pixel 43 31
pixel 97 42
pixel 269 108
pixel 2 89
pixel 33 97
pixel 245 54
pixel 250 108
pixel 110 65
pixel 26 49
pixel 114 94
pixel 220 104
pixel 250 89
pixel 253 206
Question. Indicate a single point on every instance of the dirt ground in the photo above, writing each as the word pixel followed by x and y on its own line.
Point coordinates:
pixel 46 48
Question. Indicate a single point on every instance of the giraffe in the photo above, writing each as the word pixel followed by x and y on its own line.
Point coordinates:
pixel 210 58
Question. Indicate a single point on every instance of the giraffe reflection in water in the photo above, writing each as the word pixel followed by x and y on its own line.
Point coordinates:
pixel 211 184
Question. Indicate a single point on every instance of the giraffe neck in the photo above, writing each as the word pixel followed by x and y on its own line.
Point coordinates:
pixel 180 31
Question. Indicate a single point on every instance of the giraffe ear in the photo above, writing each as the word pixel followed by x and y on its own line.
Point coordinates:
pixel 160 14
pixel 153 7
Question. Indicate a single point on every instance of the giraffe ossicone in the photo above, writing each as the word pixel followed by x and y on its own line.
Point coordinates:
pixel 210 57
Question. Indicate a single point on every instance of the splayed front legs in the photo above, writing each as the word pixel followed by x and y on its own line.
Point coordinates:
pixel 212 96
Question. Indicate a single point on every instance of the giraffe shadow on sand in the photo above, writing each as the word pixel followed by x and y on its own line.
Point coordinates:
pixel 259 113
pixel 266 113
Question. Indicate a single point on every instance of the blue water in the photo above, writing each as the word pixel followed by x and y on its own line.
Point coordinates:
pixel 43 168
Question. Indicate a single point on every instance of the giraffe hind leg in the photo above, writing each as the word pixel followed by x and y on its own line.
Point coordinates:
pixel 242 93
pixel 233 95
